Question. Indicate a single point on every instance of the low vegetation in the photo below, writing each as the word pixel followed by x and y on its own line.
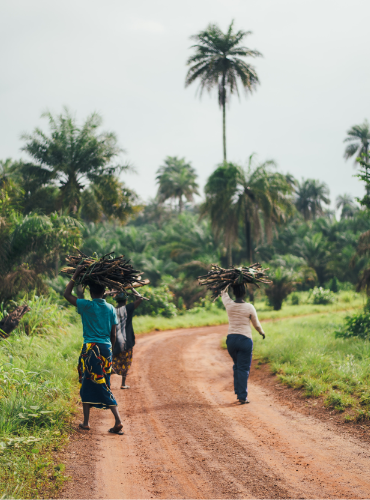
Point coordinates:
pixel 38 382
pixel 306 354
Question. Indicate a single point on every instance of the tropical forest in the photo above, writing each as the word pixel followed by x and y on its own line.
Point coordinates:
pixel 69 191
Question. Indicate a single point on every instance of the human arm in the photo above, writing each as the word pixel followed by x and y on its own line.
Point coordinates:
pixel 68 291
pixel 225 297
pixel 113 335
pixel 138 302
pixel 256 323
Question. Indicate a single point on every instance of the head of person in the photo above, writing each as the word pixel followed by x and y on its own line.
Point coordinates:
pixel 96 290
pixel 121 299
pixel 239 290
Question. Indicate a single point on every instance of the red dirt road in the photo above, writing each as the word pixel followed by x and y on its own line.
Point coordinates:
pixel 186 438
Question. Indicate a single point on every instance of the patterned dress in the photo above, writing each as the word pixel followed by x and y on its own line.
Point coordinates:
pixel 94 369
pixel 123 349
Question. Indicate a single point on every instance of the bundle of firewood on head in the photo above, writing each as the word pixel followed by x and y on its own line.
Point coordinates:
pixel 218 279
pixel 114 273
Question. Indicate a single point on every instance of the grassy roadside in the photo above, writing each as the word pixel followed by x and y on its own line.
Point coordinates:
pixel 38 382
pixel 212 315
pixel 304 354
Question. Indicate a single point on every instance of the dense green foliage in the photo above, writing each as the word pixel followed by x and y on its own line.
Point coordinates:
pixel 160 302
pixel 357 325
pixel 321 296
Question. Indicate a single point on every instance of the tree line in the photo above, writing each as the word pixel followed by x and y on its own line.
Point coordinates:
pixel 70 191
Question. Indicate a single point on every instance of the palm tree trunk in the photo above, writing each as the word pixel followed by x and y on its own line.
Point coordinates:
pixel 224 116
pixel 229 255
pixel 248 238
pixel 180 204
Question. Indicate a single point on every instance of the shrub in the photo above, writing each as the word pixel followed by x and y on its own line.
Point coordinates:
pixel 321 296
pixel 281 286
pixel 334 285
pixel 160 302
pixel 295 299
pixel 357 325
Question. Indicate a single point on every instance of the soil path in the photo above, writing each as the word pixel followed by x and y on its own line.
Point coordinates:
pixel 186 438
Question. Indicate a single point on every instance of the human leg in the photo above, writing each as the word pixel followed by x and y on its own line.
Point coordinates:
pixel 86 413
pixel 243 365
pixel 232 350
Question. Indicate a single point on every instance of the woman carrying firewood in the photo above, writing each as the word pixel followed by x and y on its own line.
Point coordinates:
pixel 99 322
pixel 123 349
pixel 239 338
pixel 241 314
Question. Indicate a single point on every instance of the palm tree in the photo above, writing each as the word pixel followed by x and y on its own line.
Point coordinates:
pixel 358 138
pixel 235 194
pixel 310 196
pixel 176 179
pixel 346 203
pixel 314 249
pixel 222 206
pixel 217 63
pixel 71 157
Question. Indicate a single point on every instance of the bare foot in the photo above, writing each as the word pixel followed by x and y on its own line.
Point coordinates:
pixel 125 387
pixel 85 427
pixel 117 429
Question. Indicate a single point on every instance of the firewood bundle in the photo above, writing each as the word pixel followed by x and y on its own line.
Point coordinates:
pixel 114 273
pixel 218 279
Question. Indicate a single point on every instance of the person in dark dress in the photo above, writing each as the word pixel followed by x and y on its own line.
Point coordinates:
pixel 123 349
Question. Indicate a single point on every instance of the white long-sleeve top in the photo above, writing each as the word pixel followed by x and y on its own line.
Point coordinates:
pixel 241 315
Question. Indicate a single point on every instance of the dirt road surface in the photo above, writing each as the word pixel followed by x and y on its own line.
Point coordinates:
pixel 186 438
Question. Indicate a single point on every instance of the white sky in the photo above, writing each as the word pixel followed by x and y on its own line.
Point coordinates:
pixel 126 60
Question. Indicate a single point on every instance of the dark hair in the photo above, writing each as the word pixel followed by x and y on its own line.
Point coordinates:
pixel 96 289
pixel 239 290
pixel 121 298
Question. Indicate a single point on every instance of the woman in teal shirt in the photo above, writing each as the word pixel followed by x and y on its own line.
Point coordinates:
pixel 99 322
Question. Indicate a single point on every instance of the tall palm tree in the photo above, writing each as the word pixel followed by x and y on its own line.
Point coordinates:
pixel 310 196
pixel 71 157
pixel 176 179
pixel 346 203
pixel 217 63
pixel 358 138
pixel 249 196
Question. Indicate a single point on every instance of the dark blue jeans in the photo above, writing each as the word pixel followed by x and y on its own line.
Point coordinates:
pixel 240 349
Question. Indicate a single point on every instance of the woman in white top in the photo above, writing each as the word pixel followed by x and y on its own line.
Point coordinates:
pixel 239 339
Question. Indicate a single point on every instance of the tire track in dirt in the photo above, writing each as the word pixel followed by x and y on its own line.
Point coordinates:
pixel 186 438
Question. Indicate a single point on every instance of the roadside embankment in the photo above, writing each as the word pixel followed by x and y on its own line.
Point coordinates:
pixel 37 393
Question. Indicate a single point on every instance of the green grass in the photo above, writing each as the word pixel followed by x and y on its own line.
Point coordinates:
pixel 199 317
pixel 38 381
pixel 212 315
pixel 304 354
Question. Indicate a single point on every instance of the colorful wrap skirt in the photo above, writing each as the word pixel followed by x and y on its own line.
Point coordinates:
pixel 94 369
pixel 122 362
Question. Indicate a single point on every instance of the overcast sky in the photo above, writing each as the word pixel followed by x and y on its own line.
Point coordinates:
pixel 127 61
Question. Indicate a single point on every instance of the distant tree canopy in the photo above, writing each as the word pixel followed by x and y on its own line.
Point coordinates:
pixel 176 179
pixel 30 246
pixel 257 197
pixel 218 62
pixel 347 205
pixel 311 194
pixel 358 138
pixel 71 160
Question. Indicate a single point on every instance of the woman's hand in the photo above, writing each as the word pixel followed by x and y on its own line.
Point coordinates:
pixel 263 335
pixel 77 272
